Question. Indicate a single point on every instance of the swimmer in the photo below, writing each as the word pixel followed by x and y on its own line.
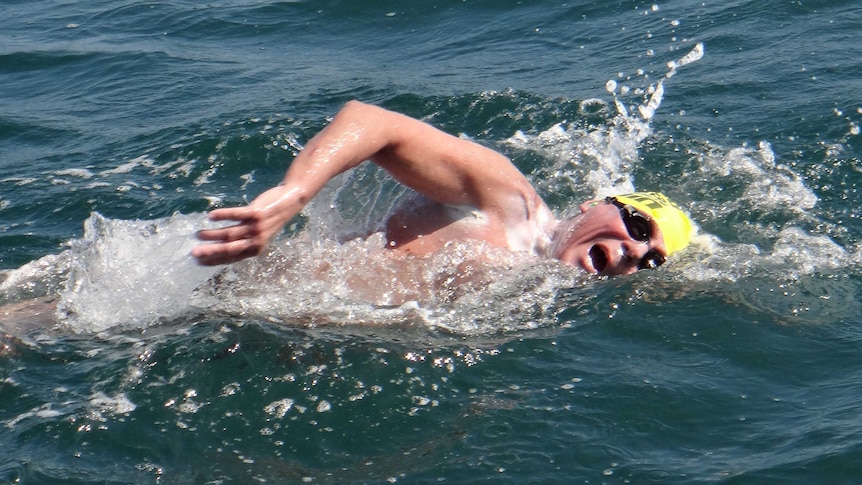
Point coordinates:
pixel 471 192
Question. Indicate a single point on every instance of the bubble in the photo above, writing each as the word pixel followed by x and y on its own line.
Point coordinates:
pixel 119 404
pixel 279 409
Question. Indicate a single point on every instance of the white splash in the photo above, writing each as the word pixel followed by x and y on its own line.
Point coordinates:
pixel 101 404
pixel 693 55
pixel 602 158
pixel 278 409
pixel 131 273
pixel 767 184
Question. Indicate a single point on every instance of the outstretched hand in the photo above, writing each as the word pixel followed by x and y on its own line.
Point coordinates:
pixel 258 223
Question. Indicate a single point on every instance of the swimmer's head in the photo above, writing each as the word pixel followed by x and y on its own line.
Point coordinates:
pixel 622 234
pixel 675 226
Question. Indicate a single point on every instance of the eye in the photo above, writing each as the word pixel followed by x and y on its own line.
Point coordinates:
pixel 637 225
pixel 652 259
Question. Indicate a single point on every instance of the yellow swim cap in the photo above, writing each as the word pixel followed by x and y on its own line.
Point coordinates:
pixel 675 226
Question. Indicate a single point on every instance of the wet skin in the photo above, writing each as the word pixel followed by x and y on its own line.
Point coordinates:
pixel 597 240
pixel 452 172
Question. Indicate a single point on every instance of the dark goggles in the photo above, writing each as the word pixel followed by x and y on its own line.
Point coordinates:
pixel 639 228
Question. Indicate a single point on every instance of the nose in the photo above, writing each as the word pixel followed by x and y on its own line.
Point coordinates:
pixel 633 252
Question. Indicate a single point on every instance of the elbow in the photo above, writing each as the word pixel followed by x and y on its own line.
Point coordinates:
pixel 355 112
pixel 363 112
pixel 354 106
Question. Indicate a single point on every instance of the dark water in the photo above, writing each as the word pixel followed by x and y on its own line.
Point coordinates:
pixel 121 123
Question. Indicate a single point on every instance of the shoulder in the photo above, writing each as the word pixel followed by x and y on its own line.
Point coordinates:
pixel 528 223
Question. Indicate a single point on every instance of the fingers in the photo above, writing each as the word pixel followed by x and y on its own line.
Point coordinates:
pixel 226 234
pixel 215 261
pixel 249 225
pixel 226 252
pixel 253 231
pixel 231 214
pixel 231 244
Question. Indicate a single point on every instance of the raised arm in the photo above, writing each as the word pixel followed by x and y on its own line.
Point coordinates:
pixel 442 167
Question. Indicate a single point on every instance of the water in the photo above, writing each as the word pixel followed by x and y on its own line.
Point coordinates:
pixel 121 123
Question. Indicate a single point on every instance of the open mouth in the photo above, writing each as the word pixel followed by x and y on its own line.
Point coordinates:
pixel 598 258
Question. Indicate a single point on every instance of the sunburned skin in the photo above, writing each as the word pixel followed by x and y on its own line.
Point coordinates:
pixel 595 240
pixel 598 241
pixel 534 233
pixel 424 227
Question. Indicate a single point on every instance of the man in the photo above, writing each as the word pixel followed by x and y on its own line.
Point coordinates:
pixel 472 192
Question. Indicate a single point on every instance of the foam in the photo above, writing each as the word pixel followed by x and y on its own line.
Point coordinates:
pixel 601 158
pixel 102 404
pixel 131 273
pixel 82 173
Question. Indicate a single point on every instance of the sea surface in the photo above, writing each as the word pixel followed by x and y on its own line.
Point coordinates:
pixel 123 362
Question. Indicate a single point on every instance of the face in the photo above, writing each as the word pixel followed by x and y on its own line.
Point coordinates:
pixel 598 241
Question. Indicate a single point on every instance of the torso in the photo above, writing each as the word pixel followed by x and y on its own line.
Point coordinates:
pixel 424 227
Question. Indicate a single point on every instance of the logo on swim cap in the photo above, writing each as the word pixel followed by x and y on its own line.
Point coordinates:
pixel 675 226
